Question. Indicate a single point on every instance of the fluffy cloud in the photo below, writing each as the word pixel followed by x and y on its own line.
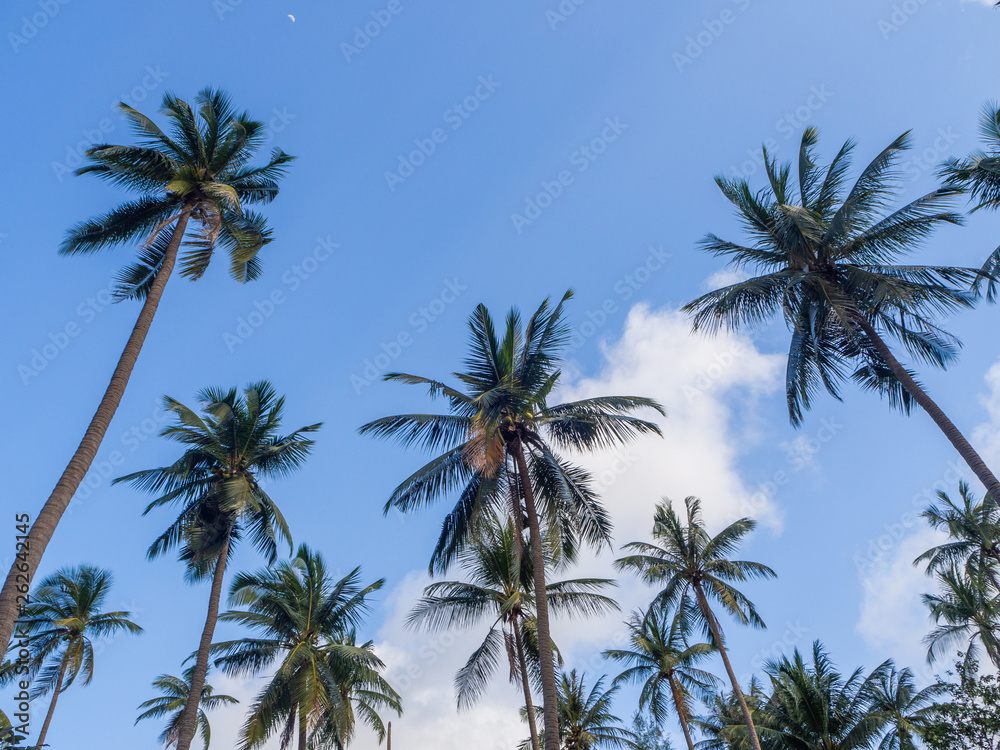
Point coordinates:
pixel 987 435
pixel 693 377
pixel 893 618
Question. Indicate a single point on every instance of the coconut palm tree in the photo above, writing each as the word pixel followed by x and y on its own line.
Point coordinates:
pixel 974 531
pixel 363 693
pixel 966 610
pixel 688 562
pixel 9 738
pixel 826 260
pixel 586 719
pixel 979 176
pixel 233 444
pixel 907 712
pixel 814 707
pixel 175 692
pixel 495 449
pixel 192 186
pixel 498 588
pixel 304 623
pixel 63 616
pixel 663 661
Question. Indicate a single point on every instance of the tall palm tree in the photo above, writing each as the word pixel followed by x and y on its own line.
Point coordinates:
pixel 965 610
pixel 63 616
pixel 496 444
pixel 498 588
pixel 814 707
pixel 663 661
pixel 826 261
pixel 974 531
pixel 304 621
pixel 231 445
pixel 907 711
pixel 979 176
pixel 687 562
pixel 586 719
pixel 193 183
pixel 175 692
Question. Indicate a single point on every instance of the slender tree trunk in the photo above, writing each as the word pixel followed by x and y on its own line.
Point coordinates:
pixel 189 719
pixel 713 625
pixel 946 426
pixel 48 518
pixel 52 706
pixel 550 696
pixel 388 737
pixel 519 644
pixel 681 711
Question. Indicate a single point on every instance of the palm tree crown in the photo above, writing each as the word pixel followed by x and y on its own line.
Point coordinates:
pixel 305 622
pixel 826 258
pixel 175 692
pixel 200 170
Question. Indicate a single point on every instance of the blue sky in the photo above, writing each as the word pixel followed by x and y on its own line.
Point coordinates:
pixel 416 195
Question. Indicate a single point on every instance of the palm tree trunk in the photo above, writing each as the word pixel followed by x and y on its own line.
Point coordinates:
pixel 45 524
pixel 681 712
pixel 550 696
pixel 519 645
pixel 52 706
pixel 946 426
pixel 302 731
pixel 189 719
pixel 713 625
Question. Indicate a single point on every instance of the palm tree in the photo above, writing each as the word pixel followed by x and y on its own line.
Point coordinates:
pixel 304 621
pixel 175 692
pixel 662 659
pixel 827 264
pixel 724 725
pixel 974 528
pixel 233 443
pixel 586 721
pixel 498 588
pixel 687 561
pixel 967 610
pixel 979 176
pixel 9 738
pixel 814 707
pixel 496 451
pixel 202 175
pixel 63 616
pixel 894 697
pixel 363 692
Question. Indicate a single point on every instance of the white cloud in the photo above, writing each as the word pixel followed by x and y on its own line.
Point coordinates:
pixel 725 277
pixel 692 376
pixel 987 435
pixel 893 618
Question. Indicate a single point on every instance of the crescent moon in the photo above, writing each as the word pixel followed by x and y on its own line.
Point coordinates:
pixel 292 17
